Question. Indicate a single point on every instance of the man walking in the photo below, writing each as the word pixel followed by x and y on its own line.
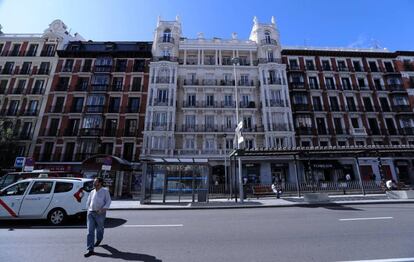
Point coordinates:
pixel 98 202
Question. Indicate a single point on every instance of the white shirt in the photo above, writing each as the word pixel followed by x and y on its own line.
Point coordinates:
pixel 98 200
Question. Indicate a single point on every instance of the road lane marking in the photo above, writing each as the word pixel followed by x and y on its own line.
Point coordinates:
pixel 176 225
pixel 365 218
pixel 407 259
pixel 54 227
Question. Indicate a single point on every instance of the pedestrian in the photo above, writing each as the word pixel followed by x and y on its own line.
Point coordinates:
pixel 276 189
pixel 98 202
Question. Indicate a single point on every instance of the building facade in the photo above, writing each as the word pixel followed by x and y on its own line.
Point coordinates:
pixel 285 97
pixel 27 63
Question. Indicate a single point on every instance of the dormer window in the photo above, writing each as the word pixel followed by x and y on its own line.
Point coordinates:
pixel 167 35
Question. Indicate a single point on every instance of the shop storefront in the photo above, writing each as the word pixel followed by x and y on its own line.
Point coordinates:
pixel 117 173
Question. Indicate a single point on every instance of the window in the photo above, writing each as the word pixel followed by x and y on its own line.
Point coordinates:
pixel 229 122
pixel 320 123
pixel 313 83
pixel 15 50
pixel 8 68
pixel 229 143
pixel 13 107
pixel 26 68
pixel 244 80
pixel 210 100
pixel 62 187
pixel 162 96
pixel 131 125
pixel 139 65
pixel 136 84
pixel 373 66
pixel 247 122
pixel 329 83
pixel 69 150
pixel 325 65
pixel 300 99
pixel 338 125
pixel 368 104
pixel 16 190
pixel 210 143
pixel 228 100
pixel 121 65
pixel 53 126
pixel 114 103
pixel 249 143
pixel 310 65
pixel 3 86
pixel 378 85
pixel 63 84
pixel 317 105
pixel 357 66
pixel 41 187
pixel 68 65
pixel 133 104
pixel 77 105
pixel 37 88
pixel 92 122
pixel 158 142
pixel 342 66
pixel 351 103
pixel 361 82
pixel 128 151
pixel 87 65
pixel 209 121
pixel 20 86
pixel 190 121
pixel 111 127
pixel 384 104
pixel 72 127
pixel 44 68
pixel 388 67
pixel 267 37
pixel 166 37
pixel 293 63
pixel 346 84
pixel 333 100
pixel 355 122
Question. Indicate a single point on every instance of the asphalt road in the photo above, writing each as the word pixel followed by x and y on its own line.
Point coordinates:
pixel 334 233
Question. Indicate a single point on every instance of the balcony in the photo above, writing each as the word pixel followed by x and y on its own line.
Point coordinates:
pixel 304 130
pixel 162 80
pixel 99 87
pixel 36 91
pixel 191 82
pixel 70 131
pixel 318 107
pixel 62 87
pixel 313 86
pixel 116 88
pixel 113 109
pixel 278 127
pixel 340 131
pixel 31 112
pixel 358 131
pixel 407 131
pixel 67 69
pixel 102 68
pixel 131 109
pixel 396 88
pixel 130 133
pixel 249 104
pixel 165 58
pixel 81 87
pixel 274 81
pixel 47 53
pixel 301 107
pixel 310 67
pixel 268 41
pixel 343 69
pixel 246 83
pixel 164 39
pixel 401 108
pixel 209 82
pixel 94 109
pixel 110 132
pixel 277 103
pixel 297 85
pixel 43 71
pixel 160 102
pixel 160 126
pixel 269 60
pixel 90 132
pixel 76 109
pixel 294 68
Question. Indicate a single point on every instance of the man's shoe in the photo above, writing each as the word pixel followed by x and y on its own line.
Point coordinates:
pixel 90 253
pixel 98 243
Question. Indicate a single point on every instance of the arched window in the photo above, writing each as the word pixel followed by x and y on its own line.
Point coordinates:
pixel 167 35
pixel 267 37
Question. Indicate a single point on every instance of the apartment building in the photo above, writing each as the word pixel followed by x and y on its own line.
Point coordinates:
pixel 191 114
pixel 353 97
pixel 27 62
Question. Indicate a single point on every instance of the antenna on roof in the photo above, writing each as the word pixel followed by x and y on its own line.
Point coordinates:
pixel 375 44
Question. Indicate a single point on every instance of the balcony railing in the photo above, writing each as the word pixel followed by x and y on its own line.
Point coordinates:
pixel 396 87
pixel 76 109
pixel 37 91
pixel 110 132
pixel 81 87
pixel 162 80
pixel 359 131
pixel 90 132
pixel 249 104
pixel 116 88
pixel 279 127
pixel 304 130
pixel 62 87
pixel 70 131
pixel 164 39
pixel 401 108
pixel 103 68
pixel 301 107
pixel 277 103
pixel 99 87
pixel 407 131
pixel 43 71
pixel 268 41
pixel 47 53
pixel 165 58
pixel 269 60
pixel 94 108
pixel 193 82
pixel 297 85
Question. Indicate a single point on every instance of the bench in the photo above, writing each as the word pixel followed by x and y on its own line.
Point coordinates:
pixel 262 190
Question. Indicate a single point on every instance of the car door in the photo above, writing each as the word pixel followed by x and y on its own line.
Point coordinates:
pixel 37 200
pixel 11 199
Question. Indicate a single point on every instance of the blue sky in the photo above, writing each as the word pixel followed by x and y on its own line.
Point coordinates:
pixel 345 23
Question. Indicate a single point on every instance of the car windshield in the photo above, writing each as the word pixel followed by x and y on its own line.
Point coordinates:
pixel 88 186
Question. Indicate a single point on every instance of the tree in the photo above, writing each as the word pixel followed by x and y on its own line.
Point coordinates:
pixel 8 145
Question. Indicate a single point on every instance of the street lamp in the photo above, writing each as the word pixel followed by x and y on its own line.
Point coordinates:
pixel 235 61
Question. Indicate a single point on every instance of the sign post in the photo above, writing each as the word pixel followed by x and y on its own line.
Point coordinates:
pixel 19 162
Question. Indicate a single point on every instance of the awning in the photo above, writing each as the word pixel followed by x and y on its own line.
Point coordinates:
pixel 95 163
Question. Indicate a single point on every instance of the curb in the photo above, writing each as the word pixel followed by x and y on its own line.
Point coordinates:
pixel 344 203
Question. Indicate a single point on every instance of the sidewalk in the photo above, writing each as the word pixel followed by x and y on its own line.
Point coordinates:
pixel 225 203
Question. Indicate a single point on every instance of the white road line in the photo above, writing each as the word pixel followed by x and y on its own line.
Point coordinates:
pixel 54 227
pixel 177 225
pixel 364 218
pixel 407 259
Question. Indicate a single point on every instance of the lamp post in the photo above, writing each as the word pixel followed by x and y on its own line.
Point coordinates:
pixel 235 61
pixel 225 162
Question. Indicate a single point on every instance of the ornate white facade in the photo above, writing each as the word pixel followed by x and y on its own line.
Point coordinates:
pixel 191 107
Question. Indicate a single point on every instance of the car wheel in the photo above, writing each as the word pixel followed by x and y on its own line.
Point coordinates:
pixel 57 216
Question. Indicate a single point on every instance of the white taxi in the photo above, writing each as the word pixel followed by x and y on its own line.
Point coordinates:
pixel 53 199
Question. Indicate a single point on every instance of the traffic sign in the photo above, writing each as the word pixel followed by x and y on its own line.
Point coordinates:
pixel 107 164
pixel 239 127
pixel 19 162
pixel 29 164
